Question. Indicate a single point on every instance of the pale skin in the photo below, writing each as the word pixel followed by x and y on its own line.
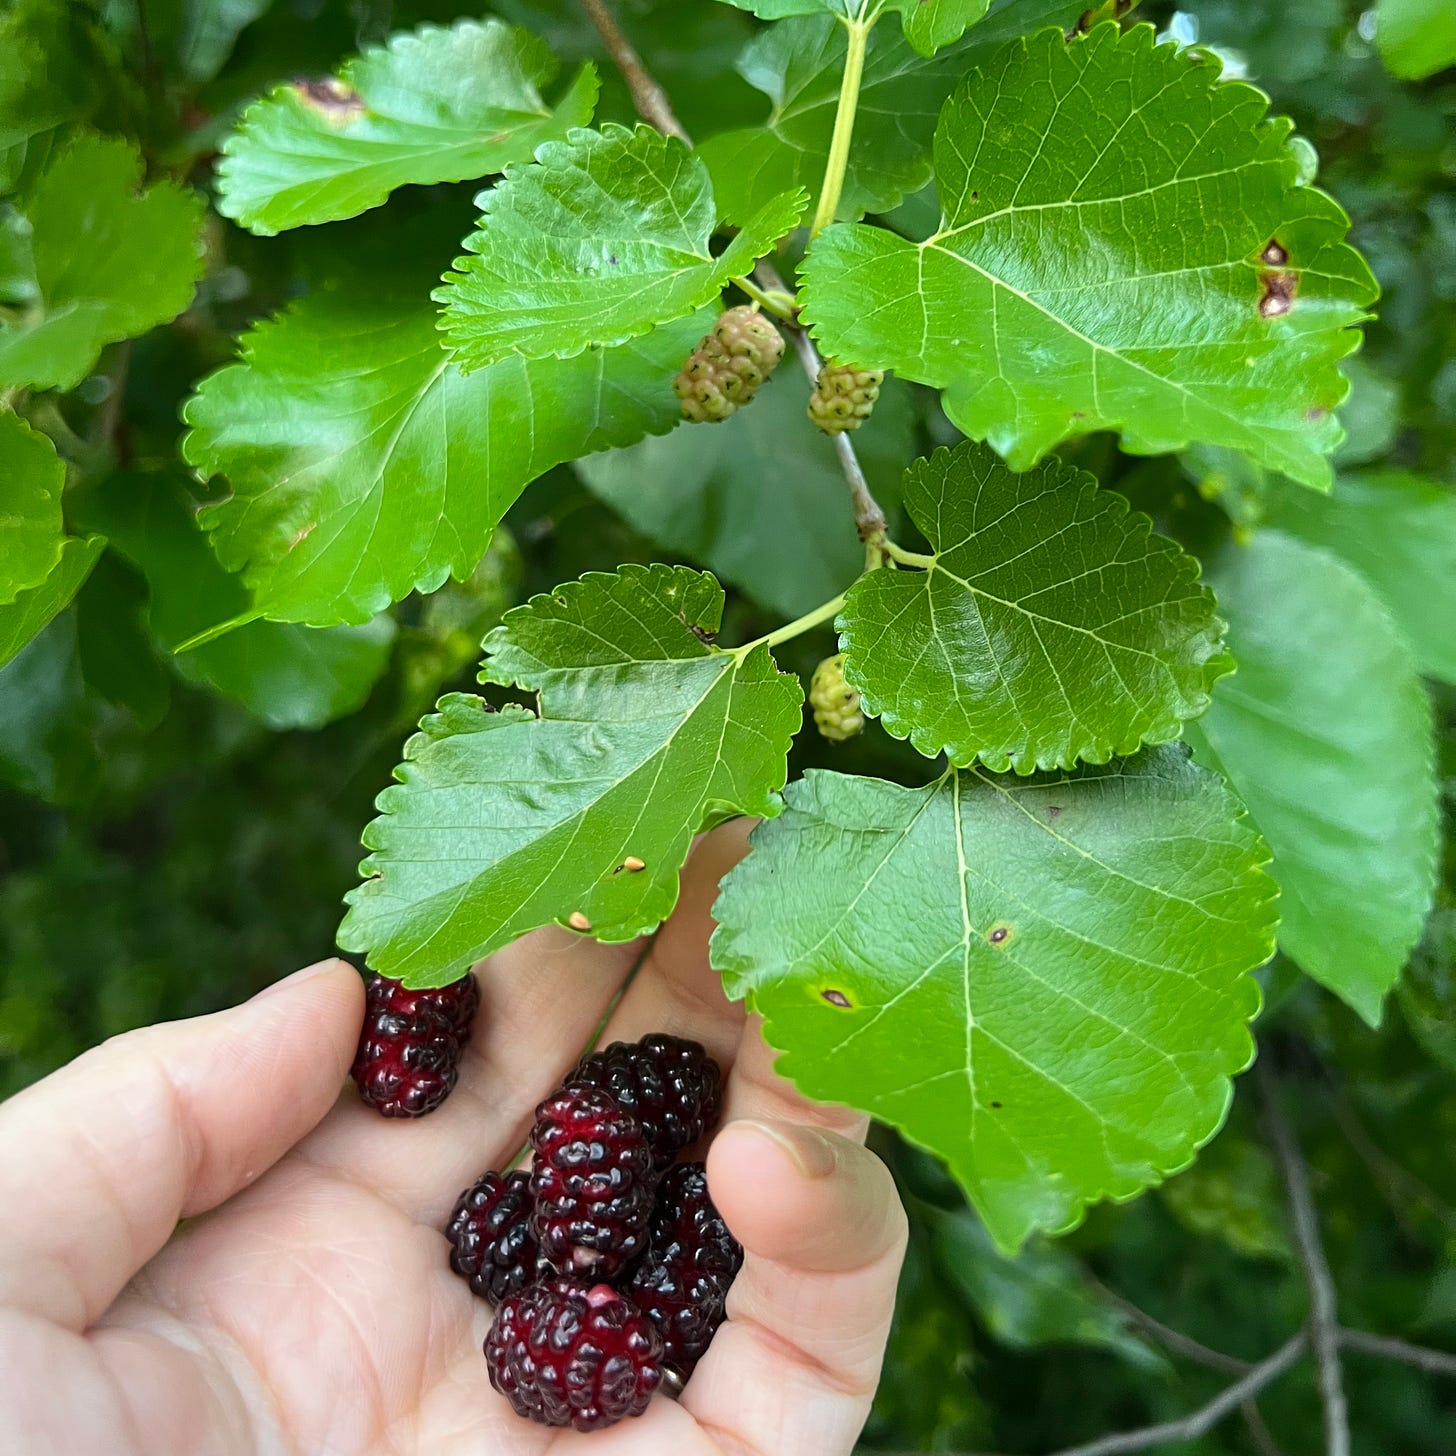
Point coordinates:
pixel 306 1305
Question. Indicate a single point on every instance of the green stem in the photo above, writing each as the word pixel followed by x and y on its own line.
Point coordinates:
pixel 902 557
pixel 796 628
pixel 779 301
pixel 859 34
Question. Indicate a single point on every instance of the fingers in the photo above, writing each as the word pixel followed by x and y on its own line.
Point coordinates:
pixel 677 990
pixel 100 1160
pixel 794 1369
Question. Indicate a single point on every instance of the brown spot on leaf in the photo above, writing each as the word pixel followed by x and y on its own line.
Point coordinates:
pixel 1315 413
pixel 1278 296
pixel 996 1106
pixel 1052 810
pixel 999 934
pixel 1275 254
pixel 837 998
pixel 703 634
pixel 331 98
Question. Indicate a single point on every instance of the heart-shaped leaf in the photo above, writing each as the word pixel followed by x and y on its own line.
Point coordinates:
pixel 1043 982
pixel 1049 626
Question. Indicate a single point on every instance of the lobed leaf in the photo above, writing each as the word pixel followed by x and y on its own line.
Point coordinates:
pixel 432 105
pixel 1044 982
pixel 31 528
pixel 1124 246
pixel 502 822
pixel 1325 733
pixel 602 237
pixel 112 260
pixel 364 465
pixel 1050 625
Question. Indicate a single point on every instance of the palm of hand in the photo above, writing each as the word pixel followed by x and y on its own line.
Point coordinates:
pixel 314 1312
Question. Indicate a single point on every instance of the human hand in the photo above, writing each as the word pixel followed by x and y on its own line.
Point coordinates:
pixel 312 1309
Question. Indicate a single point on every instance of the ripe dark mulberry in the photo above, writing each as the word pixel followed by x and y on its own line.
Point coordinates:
pixel 593 1181
pixel 491 1243
pixel 566 1353
pixel 409 1050
pixel 669 1084
pixel 683 1280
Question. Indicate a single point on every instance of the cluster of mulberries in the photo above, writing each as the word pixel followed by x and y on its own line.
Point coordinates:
pixel 724 372
pixel 607 1262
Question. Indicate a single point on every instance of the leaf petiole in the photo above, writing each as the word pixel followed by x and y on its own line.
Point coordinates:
pixel 901 557
pixel 796 628
pixel 777 301
pixel 859 34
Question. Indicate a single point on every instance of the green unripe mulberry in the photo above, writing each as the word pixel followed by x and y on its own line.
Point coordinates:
pixel 844 397
pixel 836 707
pixel 724 372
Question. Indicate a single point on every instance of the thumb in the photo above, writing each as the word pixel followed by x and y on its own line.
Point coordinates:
pixel 99 1160
pixel 794 1369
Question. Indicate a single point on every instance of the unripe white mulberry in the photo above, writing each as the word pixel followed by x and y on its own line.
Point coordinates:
pixel 836 706
pixel 844 397
pixel 725 370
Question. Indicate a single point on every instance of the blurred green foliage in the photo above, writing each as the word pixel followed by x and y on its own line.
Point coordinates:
pixel 165 851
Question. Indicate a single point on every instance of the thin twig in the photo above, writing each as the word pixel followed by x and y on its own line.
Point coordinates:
pixel 1203 1420
pixel 1324 1329
pixel 1259 1433
pixel 647 95
pixel 1433 1362
pixel 1173 1340
pixel 869 518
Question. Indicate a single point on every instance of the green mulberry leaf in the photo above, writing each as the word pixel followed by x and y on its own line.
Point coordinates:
pixel 1044 982
pixel 1399 532
pixel 929 24
pixel 1049 625
pixel 112 260
pixel 599 239
pixel 364 465
pixel 1416 38
pixel 51 74
pixel 1124 246
pixel 31 530
pixel 798 65
pixel 1325 732
pixel 434 105
pixel 287 675
pixel 502 822
pixel 31 610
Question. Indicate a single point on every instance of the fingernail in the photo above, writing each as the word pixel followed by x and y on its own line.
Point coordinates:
pixel 814 1155
pixel 308 973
